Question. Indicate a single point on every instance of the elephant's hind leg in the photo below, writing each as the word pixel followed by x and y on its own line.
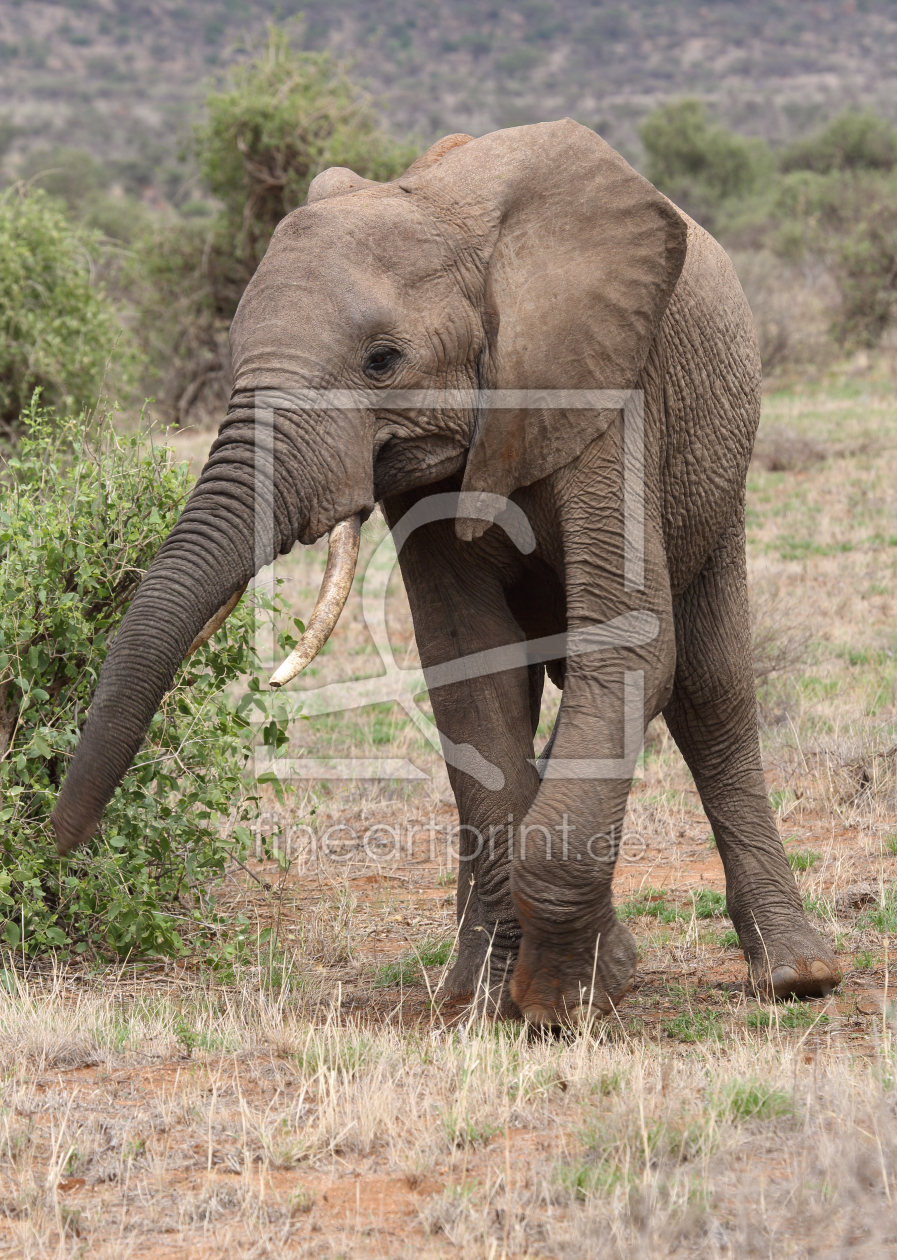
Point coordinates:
pixel 712 715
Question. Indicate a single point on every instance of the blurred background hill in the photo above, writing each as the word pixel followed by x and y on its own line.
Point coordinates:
pixel 118 77
pixel 150 149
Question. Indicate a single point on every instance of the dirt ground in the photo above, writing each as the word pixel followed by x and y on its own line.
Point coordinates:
pixel 189 1139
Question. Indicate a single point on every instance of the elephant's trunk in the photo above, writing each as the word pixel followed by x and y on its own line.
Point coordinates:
pixel 335 587
pixel 203 566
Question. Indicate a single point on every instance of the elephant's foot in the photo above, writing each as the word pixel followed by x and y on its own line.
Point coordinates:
pixel 566 989
pixel 482 984
pixel 794 963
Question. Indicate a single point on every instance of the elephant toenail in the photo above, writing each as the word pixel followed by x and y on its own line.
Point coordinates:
pixel 541 1016
pixel 820 970
pixel 783 979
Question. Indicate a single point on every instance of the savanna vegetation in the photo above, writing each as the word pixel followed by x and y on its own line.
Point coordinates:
pixel 220 1024
pixel 812 226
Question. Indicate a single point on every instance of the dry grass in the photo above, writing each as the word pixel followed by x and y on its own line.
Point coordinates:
pixel 237 1121
pixel 316 1099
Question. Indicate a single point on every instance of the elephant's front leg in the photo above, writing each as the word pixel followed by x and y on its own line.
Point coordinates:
pixel 575 956
pixel 486 723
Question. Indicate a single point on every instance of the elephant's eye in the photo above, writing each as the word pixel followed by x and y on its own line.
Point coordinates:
pixel 380 360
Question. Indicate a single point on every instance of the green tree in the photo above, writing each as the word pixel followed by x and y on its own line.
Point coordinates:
pixel 279 121
pixel 276 123
pixel 853 141
pixel 58 330
pixel 701 166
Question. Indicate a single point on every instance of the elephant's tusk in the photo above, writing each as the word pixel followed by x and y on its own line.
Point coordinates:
pixel 216 622
pixel 337 583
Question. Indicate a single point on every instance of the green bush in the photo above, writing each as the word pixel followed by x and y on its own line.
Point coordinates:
pixel 58 331
pixel 80 518
pixel 183 289
pixel 864 262
pixel 832 201
pixel 847 220
pixel 852 141
pixel 702 167
pixel 77 181
pixel 71 175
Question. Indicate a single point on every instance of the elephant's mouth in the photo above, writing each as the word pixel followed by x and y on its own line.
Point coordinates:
pixel 404 463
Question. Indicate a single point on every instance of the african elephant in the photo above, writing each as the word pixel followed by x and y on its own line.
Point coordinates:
pixel 534 258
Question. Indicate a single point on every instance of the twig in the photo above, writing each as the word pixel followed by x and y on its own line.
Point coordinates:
pixel 264 883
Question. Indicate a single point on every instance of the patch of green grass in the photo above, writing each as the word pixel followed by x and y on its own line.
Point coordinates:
pixel 609 1083
pixel 791 548
pixel 883 917
pixel 710 904
pixel 695 1025
pixel 190 1038
pixel 651 903
pixel 818 688
pixel 803 859
pixel 462 1132
pixel 865 961
pixel 817 906
pixel 891 844
pixel 616 1153
pixel 669 796
pixel 754 1100
pixel 729 940
pixel 301 1200
pixel 791 1016
pixel 406 969
pixel 780 798
pixel 341 1053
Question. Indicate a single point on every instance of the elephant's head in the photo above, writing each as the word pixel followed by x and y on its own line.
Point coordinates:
pixel 530 258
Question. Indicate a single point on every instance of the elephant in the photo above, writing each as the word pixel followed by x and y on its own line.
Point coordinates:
pixel 534 259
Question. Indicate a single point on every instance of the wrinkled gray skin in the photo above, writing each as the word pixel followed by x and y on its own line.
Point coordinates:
pixel 532 257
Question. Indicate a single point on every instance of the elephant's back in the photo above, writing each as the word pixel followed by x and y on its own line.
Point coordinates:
pixel 709 392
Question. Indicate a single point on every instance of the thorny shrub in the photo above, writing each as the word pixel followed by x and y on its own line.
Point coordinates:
pixel 82 513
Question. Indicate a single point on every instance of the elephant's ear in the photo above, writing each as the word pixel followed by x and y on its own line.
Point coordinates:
pixel 580 257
